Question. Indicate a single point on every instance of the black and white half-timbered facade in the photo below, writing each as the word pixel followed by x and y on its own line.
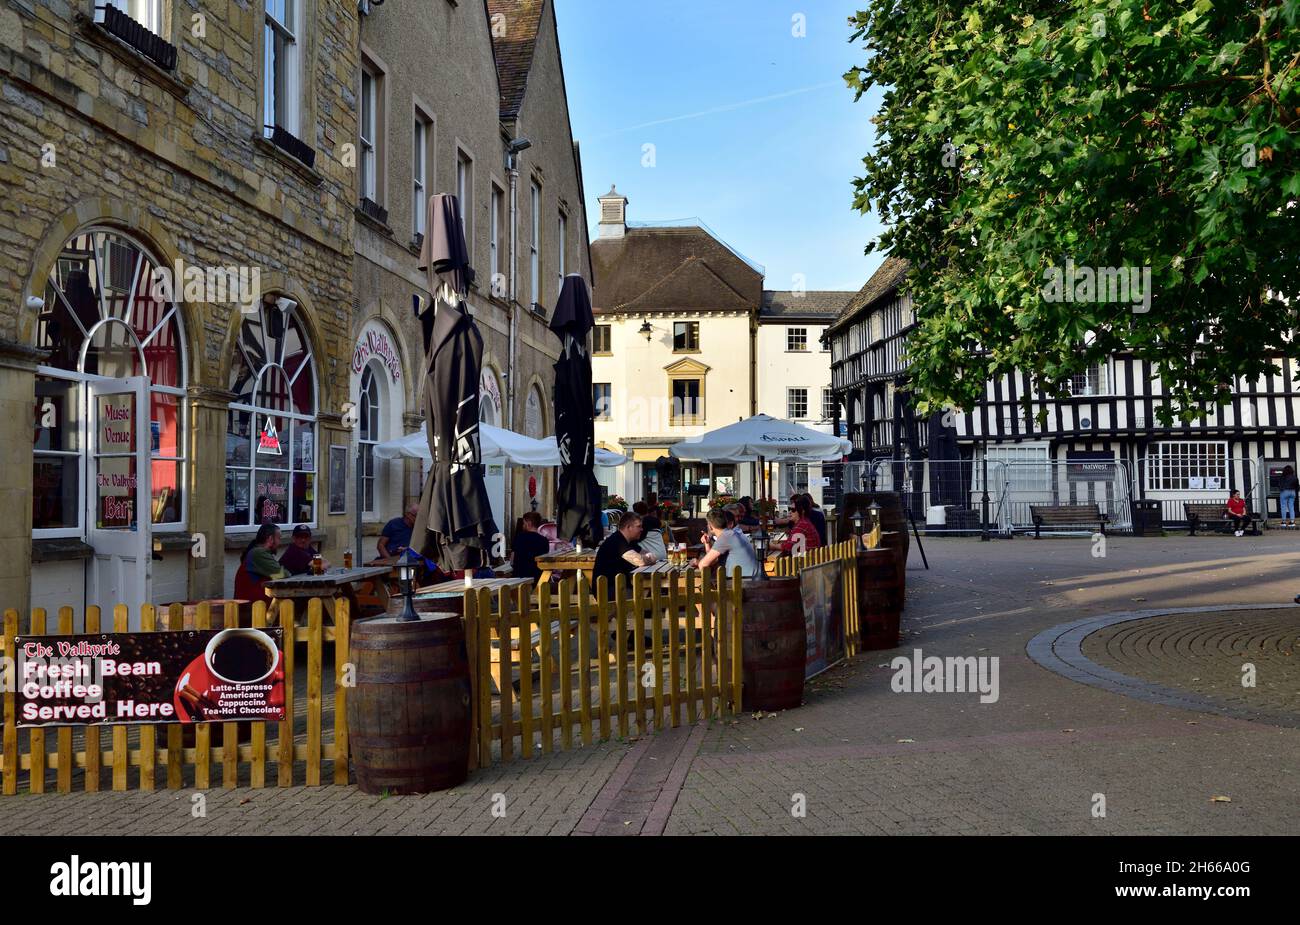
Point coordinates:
pixel 1104 444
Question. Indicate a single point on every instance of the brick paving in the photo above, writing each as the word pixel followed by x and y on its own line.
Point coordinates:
pixel 859 758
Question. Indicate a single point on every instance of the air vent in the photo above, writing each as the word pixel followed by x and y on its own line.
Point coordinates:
pixel 153 47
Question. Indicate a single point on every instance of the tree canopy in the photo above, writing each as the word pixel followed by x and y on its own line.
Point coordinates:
pixel 1031 157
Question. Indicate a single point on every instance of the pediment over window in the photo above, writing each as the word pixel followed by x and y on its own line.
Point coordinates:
pixel 686 367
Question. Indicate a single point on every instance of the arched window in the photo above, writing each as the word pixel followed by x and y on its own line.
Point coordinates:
pixel 271 434
pixel 101 319
pixel 369 433
pixel 534 417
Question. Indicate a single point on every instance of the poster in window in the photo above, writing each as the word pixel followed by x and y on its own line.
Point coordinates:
pixel 1195 482
pixel 338 479
pixel 1212 483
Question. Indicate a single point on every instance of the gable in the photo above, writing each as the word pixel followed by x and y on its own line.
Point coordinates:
pixel 693 286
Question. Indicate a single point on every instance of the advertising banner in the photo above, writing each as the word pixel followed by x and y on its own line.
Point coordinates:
pixel 823 611
pixel 189 676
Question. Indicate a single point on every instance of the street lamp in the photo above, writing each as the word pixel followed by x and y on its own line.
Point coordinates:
pixel 407 566
pixel 859 522
pixel 646 331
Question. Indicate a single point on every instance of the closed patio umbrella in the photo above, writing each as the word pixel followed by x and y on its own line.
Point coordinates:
pixel 455 526
pixel 577 493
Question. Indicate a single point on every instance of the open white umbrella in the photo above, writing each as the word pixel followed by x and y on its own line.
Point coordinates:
pixel 762 437
pixel 496 445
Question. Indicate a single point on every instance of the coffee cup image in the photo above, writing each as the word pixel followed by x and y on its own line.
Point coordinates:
pixel 241 655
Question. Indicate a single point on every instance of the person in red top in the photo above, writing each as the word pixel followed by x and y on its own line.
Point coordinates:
pixel 1236 512
pixel 803 526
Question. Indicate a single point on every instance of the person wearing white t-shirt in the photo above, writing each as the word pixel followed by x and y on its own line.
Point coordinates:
pixel 724 539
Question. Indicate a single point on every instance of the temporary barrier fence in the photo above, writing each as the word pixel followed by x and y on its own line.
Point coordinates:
pixel 158 755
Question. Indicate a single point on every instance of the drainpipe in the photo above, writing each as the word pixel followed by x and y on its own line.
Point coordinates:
pixel 514 322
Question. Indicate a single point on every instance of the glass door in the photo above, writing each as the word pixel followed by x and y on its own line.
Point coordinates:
pixel 118 519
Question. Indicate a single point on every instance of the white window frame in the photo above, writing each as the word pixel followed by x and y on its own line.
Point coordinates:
pixel 494 236
pixel 148 13
pixel 290 95
pixel 419 173
pixel 1171 464
pixel 790 396
pixel 609 401
pixel 794 337
pixel 367 129
pixel 1100 385
pixel 534 245
pixel 829 404
pixel 369 434
pixel 561 243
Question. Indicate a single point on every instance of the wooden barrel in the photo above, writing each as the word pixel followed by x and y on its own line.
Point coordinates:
pixel 409 716
pixel 893 522
pixel 880 598
pixel 774 645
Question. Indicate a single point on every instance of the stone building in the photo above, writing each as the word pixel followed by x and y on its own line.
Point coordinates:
pixel 199 144
pixel 442 97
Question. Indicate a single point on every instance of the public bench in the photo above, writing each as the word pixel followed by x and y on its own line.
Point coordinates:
pixel 1210 515
pixel 1066 515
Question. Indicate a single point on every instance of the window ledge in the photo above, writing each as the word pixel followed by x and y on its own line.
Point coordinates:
pixel 60 550
pixel 267 147
pixel 102 38
pixel 688 350
pixel 371 222
pixel 172 542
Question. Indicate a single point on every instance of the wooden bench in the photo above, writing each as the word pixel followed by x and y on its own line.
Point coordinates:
pixel 1210 514
pixel 1066 515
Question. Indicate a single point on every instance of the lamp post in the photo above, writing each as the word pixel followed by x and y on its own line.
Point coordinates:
pixel 874 509
pixel 407 564
pixel 858 522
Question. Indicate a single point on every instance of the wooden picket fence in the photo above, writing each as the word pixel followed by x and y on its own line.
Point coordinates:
pixel 847 551
pixel 159 753
pixel 665 652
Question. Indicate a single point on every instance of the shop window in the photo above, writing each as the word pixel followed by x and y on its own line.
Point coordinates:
pixel 1192 466
pixel 271 430
pixel 101 318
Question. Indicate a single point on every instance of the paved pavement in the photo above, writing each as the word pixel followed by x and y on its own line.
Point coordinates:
pixel 1046 757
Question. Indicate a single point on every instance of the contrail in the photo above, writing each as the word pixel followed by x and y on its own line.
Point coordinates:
pixel 726 108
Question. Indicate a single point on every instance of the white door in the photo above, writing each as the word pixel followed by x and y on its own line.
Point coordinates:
pixel 118 520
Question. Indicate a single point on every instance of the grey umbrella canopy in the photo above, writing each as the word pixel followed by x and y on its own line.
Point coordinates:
pixel 577 493
pixel 455 525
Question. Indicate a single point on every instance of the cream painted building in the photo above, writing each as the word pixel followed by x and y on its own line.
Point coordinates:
pixel 687 341
pixel 794 374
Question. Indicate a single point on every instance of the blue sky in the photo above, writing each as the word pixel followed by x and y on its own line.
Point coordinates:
pixel 754 131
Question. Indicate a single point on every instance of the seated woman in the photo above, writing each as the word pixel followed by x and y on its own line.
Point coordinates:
pixel 1235 511
pixel 803 535
pixel 652 540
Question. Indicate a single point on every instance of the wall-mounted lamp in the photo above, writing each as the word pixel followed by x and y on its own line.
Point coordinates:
pixel 646 331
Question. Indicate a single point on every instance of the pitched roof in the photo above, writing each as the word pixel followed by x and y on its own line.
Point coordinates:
pixel 887 278
pixel 514 49
pixel 659 268
pixel 817 304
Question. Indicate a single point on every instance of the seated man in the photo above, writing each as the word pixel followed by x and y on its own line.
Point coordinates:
pixel 297 558
pixel 396 535
pixel 728 547
pixel 528 545
pixel 1235 511
pixel 619 555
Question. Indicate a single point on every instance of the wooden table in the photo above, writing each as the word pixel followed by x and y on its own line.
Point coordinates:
pixel 334 584
pixel 572 561
pixel 457 586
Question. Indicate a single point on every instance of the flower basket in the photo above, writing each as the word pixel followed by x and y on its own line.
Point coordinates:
pixel 721 501
pixel 617 503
